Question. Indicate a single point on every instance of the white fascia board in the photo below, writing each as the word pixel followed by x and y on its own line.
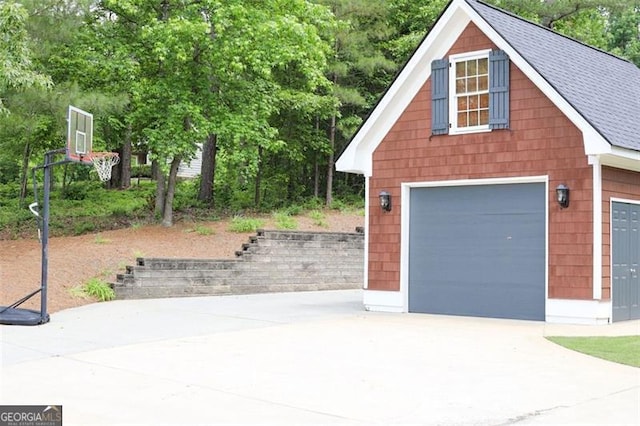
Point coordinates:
pixel 594 143
pixel 357 157
pixel 621 158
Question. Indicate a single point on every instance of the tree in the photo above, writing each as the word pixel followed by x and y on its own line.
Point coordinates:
pixel 205 72
pixel 359 70
pixel 16 66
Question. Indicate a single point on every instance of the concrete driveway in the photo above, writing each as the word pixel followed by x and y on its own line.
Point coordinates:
pixel 308 358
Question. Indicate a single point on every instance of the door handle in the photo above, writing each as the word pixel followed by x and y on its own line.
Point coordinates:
pixel 632 270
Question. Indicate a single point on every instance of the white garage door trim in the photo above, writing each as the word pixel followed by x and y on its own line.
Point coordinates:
pixel 405 220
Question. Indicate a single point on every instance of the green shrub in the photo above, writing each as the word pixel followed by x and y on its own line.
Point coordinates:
pixel 245 224
pixel 141 171
pixel 84 227
pixel 313 203
pixel 9 171
pixel 294 210
pixel 284 221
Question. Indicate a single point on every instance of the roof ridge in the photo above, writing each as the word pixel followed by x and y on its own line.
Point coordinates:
pixel 520 18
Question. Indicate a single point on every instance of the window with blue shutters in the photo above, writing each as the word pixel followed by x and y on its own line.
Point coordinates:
pixel 470 93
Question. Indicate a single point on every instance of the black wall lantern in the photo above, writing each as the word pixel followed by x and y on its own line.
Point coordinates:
pixel 562 196
pixel 385 201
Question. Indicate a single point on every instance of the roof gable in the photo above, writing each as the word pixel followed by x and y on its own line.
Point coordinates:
pixel 603 88
pixel 556 64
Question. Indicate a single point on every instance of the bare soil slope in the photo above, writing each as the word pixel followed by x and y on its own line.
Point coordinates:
pixel 74 260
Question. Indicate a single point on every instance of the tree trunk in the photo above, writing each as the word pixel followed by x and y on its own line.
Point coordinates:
pixel 160 185
pixel 208 169
pixel 167 217
pixel 330 163
pixel 316 170
pixel 316 177
pixel 125 161
pixel 256 196
pixel 24 172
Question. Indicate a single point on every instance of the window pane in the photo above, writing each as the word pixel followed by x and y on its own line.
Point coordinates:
pixel 483 82
pixel 472 68
pixel 483 66
pixel 472 84
pixel 460 86
pixel 484 100
pixel 462 103
pixel 484 116
pixel 473 102
pixel 473 118
pixel 462 119
pixel 460 69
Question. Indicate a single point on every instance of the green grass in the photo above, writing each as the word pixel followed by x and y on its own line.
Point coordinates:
pixel 620 349
pixel 284 221
pixel 245 224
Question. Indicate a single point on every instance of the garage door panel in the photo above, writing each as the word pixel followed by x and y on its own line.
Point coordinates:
pixel 478 251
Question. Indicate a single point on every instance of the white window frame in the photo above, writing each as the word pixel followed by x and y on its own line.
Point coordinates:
pixel 453 101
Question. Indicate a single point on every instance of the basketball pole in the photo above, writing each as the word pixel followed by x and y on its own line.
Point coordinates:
pixel 46 195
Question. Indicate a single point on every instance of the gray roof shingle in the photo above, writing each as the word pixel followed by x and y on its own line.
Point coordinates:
pixel 603 88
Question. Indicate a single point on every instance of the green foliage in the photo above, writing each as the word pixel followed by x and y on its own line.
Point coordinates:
pixel 99 239
pixel 620 349
pixel 294 210
pixel 319 218
pixel 245 224
pixel 99 289
pixel 284 221
pixel 16 67
pixel 9 171
pixel 200 230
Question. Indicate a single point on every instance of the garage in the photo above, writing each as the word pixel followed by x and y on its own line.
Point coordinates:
pixel 625 253
pixel 478 250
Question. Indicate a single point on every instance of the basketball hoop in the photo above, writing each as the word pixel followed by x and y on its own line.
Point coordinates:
pixel 103 162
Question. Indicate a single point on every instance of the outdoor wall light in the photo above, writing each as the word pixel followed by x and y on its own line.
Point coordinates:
pixel 385 201
pixel 562 196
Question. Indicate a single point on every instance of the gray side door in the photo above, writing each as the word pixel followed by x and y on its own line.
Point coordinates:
pixel 478 250
pixel 625 276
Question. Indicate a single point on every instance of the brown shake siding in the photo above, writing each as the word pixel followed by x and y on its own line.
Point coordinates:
pixel 540 141
pixel 616 183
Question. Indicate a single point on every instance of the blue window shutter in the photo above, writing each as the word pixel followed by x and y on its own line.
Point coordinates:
pixel 498 90
pixel 439 97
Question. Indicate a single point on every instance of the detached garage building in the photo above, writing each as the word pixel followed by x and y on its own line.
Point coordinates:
pixel 503 176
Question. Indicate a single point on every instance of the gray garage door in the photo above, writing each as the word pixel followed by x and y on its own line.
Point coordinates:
pixel 478 251
pixel 625 273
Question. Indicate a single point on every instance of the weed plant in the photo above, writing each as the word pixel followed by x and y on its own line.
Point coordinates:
pixel 319 218
pixel 284 221
pixel 99 289
pixel 245 224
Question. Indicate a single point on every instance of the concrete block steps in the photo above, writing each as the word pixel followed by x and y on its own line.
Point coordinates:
pixel 272 261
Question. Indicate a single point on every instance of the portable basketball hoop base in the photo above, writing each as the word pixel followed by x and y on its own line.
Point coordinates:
pixel 78 150
pixel 12 314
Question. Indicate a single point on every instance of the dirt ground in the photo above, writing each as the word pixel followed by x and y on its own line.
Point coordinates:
pixel 74 260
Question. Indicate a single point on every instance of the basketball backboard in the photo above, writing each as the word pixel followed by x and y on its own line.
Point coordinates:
pixel 79 135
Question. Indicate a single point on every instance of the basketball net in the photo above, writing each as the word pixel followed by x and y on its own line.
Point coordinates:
pixel 103 162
